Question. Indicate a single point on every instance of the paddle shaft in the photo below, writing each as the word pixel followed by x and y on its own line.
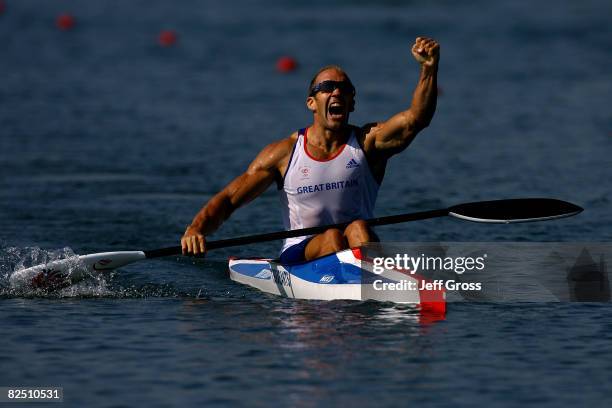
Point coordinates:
pixel 273 236
pixel 496 211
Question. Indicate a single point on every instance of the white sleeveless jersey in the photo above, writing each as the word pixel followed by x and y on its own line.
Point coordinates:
pixel 321 192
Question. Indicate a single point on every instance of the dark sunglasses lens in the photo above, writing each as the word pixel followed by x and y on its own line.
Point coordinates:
pixel 329 86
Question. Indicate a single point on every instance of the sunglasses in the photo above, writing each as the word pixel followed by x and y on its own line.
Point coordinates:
pixel 330 86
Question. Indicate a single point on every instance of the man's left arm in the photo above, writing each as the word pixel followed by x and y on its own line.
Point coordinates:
pixel 394 135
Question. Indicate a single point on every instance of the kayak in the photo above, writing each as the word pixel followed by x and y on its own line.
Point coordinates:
pixel 344 275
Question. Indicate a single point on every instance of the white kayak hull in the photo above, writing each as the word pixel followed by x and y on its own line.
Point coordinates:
pixel 340 276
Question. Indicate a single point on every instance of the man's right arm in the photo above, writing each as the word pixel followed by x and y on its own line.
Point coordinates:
pixel 243 189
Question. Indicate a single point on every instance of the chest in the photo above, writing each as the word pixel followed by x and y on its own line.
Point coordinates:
pixel 346 166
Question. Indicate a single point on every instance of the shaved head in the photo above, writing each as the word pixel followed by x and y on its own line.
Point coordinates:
pixel 336 68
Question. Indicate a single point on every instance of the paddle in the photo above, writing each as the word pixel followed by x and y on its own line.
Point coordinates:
pixel 498 211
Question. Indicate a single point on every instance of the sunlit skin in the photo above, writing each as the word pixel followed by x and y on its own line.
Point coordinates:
pixel 327 134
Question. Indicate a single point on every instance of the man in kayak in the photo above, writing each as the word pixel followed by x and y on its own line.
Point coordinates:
pixel 329 172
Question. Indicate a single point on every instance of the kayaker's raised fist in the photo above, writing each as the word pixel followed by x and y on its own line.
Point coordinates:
pixel 426 51
pixel 193 242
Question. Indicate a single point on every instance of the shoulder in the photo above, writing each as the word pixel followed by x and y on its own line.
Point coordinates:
pixel 276 154
pixel 279 149
pixel 284 145
pixel 366 135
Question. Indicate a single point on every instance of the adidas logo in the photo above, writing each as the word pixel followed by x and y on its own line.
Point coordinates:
pixel 352 164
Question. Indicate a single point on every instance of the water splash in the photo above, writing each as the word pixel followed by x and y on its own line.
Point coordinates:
pixel 76 280
pixel 14 260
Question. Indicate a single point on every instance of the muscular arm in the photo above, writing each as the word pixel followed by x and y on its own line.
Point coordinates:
pixel 243 189
pixel 388 138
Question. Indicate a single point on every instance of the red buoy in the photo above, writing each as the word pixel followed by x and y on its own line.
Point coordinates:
pixel 65 22
pixel 286 64
pixel 2 6
pixel 167 38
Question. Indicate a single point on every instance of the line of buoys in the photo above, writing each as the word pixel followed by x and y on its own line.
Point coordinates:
pixel 167 38
pixel 65 22
pixel 286 64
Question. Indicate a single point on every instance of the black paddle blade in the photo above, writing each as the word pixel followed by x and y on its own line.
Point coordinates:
pixel 514 210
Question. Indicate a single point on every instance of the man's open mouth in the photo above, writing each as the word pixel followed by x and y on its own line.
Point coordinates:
pixel 336 109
